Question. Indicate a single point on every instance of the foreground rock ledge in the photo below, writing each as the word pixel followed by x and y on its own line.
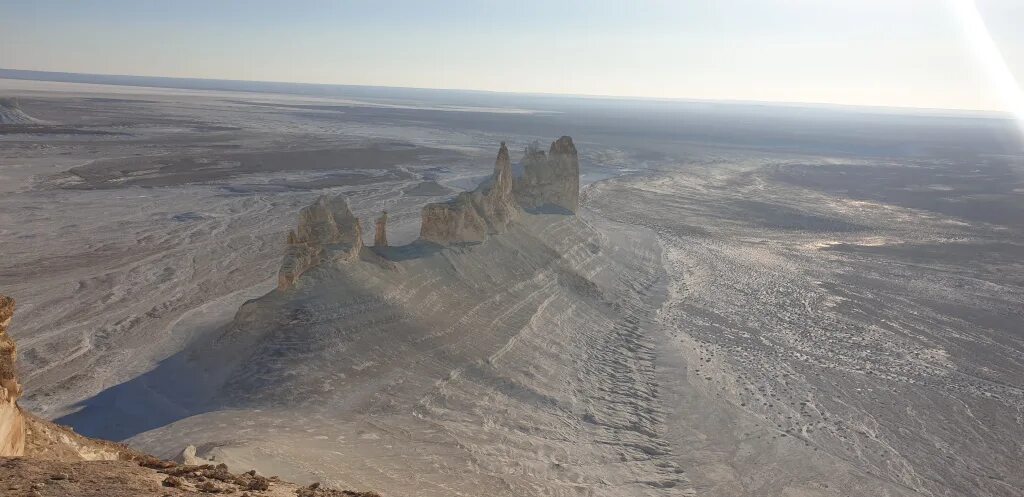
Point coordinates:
pixel 49 478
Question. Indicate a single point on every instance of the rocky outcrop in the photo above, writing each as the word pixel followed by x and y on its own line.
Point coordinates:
pixel 471 216
pixel 47 440
pixel 455 221
pixel 380 235
pixel 188 456
pixel 146 478
pixel 8 351
pixel 12 421
pixel 496 202
pixel 552 179
pixel 327 232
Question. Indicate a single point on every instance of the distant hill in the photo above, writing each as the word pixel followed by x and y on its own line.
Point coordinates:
pixel 11 113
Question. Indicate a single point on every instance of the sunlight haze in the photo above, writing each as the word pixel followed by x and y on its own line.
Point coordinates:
pixel 904 53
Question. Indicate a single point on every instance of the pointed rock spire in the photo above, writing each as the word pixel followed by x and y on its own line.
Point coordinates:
pixel 503 171
pixel 380 236
pixel 471 216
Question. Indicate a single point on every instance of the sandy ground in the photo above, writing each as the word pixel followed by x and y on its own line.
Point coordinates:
pixel 854 329
pixel 749 307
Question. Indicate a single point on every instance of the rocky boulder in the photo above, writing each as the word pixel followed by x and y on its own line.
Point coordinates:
pixel 189 457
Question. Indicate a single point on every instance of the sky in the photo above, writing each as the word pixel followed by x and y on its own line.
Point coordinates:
pixel 903 53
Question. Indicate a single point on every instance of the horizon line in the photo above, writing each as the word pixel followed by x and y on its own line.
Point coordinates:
pixel 993 113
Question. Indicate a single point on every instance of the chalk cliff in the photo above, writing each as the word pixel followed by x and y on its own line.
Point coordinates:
pixel 498 204
pixel 470 357
pixel 455 221
pixel 12 421
pixel 552 179
pixel 471 216
pixel 327 232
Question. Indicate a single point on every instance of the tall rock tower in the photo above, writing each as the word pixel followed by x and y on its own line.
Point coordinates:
pixel 551 180
pixel 380 236
pixel 327 231
pixel 471 216
pixel 498 205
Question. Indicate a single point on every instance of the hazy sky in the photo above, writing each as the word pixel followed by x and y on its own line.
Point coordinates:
pixel 876 52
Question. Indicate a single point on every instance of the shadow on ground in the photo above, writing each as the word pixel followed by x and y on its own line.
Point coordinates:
pixel 166 394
